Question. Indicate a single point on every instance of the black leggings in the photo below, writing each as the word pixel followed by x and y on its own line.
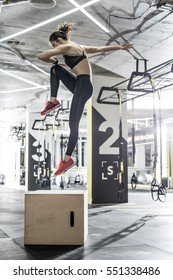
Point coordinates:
pixel 82 90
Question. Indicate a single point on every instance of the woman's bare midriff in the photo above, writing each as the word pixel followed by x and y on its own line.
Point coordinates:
pixel 82 68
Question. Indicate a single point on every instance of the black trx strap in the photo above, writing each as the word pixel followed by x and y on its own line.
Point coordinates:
pixel 77 177
pixel 133 144
pixel 121 186
pixel 158 191
pixel 133 178
pixel 154 183
pixel 162 189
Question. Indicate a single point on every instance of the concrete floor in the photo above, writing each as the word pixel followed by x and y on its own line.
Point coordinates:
pixel 139 230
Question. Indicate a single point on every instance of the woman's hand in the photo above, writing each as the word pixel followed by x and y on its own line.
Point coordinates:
pixel 126 46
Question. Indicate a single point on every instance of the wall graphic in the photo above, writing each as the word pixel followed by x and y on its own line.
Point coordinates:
pixel 39 165
pixel 109 160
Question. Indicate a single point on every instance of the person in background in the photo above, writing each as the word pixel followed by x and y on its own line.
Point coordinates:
pixel 78 80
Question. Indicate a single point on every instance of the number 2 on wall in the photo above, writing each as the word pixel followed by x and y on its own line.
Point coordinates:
pixel 105 148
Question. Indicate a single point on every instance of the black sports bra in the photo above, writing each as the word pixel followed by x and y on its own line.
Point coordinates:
pixel 72 61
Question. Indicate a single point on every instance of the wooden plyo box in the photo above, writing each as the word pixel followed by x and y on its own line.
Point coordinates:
pixel 56 217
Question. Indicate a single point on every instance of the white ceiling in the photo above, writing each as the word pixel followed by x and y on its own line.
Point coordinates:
pixel 139 22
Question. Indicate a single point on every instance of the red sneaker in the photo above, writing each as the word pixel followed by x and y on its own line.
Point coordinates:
pixel 51 106
pixel 64 166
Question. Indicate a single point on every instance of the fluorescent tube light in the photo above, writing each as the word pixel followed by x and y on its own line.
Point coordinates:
pixel 18 90
pixel 22 79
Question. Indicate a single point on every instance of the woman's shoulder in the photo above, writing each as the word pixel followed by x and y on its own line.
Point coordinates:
pixel 63 48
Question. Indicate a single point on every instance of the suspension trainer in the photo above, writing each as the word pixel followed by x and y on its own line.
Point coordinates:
pixel 158 191
pixel 121 158
pixel 162 189
pixel 134 177
pixel 78 177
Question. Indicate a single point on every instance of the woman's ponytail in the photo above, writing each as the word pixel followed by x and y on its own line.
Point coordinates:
pixel 65 27
pixel 62 31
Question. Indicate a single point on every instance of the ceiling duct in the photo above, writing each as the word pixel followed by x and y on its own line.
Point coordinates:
pixel 43 4
pixel 160 3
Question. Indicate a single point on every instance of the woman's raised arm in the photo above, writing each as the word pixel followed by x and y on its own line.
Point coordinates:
pixel 96 49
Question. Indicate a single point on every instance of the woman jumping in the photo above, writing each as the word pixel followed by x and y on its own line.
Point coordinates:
pixel 78 81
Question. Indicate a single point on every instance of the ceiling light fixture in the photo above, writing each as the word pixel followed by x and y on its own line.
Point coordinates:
pixel 89 15
pixel 43 4
pixel 22 79
pixel 49 20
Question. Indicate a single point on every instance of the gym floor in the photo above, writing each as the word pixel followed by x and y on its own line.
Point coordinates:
pixel 141 229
